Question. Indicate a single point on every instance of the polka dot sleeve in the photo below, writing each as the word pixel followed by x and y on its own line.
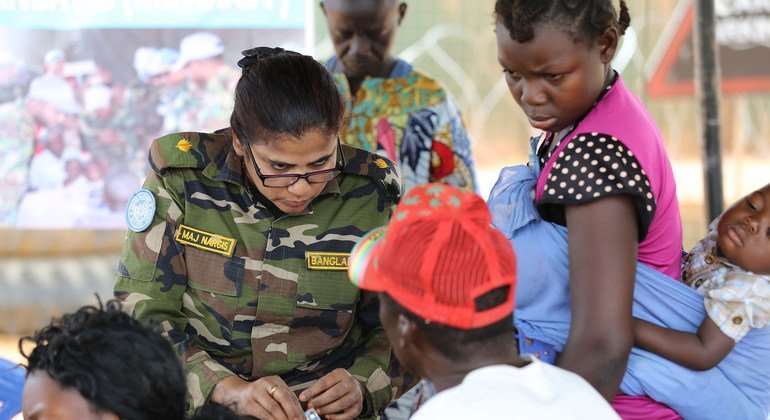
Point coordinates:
pixel 595 165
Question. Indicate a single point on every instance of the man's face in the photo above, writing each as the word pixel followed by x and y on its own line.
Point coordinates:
pixel 395 326
pixel 363 32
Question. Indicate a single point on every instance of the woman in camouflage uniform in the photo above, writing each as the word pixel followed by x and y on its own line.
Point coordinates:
pixel 238 245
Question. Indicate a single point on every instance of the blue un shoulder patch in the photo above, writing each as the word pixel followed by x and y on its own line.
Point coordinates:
pixel 140 210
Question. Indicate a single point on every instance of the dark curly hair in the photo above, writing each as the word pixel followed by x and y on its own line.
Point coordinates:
pixel 117 364
pixel 582 19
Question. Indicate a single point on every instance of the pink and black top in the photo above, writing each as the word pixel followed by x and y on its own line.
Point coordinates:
pixel 616 149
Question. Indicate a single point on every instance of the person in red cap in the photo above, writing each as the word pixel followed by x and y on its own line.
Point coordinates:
pixel 446 280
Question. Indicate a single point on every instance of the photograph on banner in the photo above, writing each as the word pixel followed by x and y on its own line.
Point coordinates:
pixel 86 86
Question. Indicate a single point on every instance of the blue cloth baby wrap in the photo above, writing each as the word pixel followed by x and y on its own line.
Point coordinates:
pixel 739 387
pixel 11 386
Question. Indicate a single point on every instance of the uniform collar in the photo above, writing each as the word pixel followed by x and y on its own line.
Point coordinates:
pixel 226 166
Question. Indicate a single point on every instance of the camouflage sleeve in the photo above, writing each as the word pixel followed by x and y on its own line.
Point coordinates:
pixel 151 283
pixel 377 368
pixel 451 157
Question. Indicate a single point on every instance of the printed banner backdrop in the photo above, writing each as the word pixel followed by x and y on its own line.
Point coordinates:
pixel 86 85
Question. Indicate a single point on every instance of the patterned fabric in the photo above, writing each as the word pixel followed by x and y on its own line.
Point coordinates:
pixel 595 166
pixel 254 308
pixel 414 121
pixel 17 133
pixel 736 300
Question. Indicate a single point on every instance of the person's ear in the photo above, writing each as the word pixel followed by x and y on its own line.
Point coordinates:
pixel 401 12
pixel 409 333
pixel 608 44
pixel 239 148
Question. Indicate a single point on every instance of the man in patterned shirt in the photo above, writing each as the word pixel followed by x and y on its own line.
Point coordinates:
pixel 392 108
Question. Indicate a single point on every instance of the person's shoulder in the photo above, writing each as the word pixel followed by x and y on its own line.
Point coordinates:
pixel 186 150
pixel 377 169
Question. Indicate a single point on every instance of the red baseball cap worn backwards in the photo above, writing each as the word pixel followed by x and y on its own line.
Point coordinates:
pixel 438 254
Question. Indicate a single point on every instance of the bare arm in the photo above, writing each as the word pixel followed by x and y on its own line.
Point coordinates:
pixel 700 351
pixel 603 243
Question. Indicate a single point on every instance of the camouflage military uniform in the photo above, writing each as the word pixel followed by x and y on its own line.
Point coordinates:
pixel 17 138
pixel 260 311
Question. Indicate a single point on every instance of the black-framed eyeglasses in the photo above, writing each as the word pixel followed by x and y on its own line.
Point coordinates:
pixel 287 180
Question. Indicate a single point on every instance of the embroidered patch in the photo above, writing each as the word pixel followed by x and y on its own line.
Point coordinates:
pixel 381 163
pixel 327 260
pixel 205 240
pixel 140 210
pixel 184 145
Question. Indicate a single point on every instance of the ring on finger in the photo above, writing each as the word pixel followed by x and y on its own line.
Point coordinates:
pixel 271 390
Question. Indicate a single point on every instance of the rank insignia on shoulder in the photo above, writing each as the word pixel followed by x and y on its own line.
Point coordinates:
pixel 205 240
pixel 184 145
pixel 327 260
pixel 140 210
pixel 381 163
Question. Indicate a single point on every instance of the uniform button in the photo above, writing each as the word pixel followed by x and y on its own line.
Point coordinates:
pixel 737 320
pixel 709 259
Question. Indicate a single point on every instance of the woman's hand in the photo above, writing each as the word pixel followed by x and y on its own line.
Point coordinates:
pixel 267 398
pixel 336 396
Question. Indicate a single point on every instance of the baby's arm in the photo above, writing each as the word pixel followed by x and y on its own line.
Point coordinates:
pixel 700 351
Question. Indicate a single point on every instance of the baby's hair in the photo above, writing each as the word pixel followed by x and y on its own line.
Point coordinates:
pixel 582 19
pixel 119 365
